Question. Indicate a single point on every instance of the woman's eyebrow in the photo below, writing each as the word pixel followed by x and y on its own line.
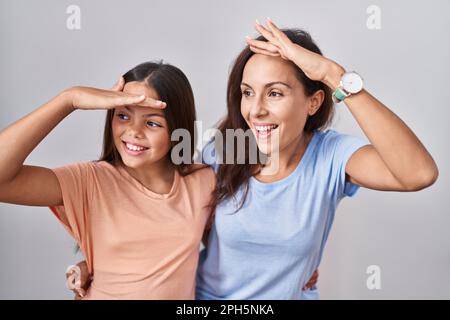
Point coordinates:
pixel 268 84
pixel 277 82
pixel 145 115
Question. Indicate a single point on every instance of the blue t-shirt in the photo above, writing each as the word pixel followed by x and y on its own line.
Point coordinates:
pixel 272 245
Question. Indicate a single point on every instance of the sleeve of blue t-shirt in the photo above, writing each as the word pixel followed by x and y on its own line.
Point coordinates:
pixel 342 146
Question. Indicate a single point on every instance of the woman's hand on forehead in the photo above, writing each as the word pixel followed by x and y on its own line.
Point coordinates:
pixel 278 44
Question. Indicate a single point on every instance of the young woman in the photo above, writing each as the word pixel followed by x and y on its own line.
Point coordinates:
pixel 272 219
pixel 134 213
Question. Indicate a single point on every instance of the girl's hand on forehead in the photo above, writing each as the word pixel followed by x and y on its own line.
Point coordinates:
pixel 120 84
pixel 278 44
pixel 88 98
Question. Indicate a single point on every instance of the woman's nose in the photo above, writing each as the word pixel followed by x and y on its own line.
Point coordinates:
pixel 258 108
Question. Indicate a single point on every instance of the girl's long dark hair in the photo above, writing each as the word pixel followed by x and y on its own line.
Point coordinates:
pixel 173 87
pixel 231 177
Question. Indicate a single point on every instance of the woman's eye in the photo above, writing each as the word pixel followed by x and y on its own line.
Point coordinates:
pixel 275 94
pixel 153 124
pixel 246 93
pixel 122 116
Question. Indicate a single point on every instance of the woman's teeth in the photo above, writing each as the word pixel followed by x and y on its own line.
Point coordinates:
pixel 265 131
pixel 266 128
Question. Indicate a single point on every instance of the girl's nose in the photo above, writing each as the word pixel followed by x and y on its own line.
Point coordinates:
pixel 135 130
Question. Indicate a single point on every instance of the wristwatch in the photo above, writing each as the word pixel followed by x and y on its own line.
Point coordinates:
pixel 351 83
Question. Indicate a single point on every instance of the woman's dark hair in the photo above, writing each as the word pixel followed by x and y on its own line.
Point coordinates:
pixel 231 177
pixel 172 87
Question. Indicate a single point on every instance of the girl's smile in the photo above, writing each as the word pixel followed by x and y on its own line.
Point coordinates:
pixel 133 149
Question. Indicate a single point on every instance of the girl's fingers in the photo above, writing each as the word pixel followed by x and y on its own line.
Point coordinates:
pixel 126 100
pixel 262 45
pixel 142 101
pixel 262 51
pixel 152 103
pixel 118 86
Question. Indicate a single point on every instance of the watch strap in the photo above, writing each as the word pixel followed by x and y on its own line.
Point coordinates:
pixel 339 95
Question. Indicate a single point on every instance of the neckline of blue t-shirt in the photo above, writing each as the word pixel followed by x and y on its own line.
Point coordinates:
pixel 294 174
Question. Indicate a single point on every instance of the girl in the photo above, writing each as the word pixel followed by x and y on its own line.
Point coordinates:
pixel 133 212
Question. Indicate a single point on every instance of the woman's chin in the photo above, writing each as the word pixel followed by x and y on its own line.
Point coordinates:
pixel 266 148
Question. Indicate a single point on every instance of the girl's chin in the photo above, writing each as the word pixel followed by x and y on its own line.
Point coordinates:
pixel 141 162
pixel 132 163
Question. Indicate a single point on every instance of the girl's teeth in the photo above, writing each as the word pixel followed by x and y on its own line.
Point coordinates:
pixel 134 148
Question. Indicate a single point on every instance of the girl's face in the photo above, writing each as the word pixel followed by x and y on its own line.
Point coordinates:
pixel 273 102
pixel 140 134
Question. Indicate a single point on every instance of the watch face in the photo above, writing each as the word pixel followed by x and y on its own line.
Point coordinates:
pixel 352 82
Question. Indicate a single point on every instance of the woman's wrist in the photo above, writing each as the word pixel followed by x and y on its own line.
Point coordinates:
pixel 333 75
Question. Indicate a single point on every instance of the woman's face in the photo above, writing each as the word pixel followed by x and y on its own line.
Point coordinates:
pixel 273 102
pixel 140 134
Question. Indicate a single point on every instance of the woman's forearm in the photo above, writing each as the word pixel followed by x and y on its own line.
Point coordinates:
pixel 19 139
pixel 403 153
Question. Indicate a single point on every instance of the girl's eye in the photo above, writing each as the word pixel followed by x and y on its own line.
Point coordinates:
pixel 153 124
pixel 149 123
pixel 122 116
pixel 275 94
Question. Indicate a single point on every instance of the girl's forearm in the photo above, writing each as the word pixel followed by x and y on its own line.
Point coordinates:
pixel 19 139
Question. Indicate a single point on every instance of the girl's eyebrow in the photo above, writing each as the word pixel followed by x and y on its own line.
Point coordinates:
pixel 268 84
pixel 145 115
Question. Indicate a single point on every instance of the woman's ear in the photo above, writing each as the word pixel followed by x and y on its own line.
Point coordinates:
pixel 316 101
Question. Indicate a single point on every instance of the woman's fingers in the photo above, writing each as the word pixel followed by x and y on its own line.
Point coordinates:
pixel 275 37
pixel 283 41
pixel 312 281
pixel 266 33
pixel 277 33
pixel 73 274
pixel 79 294
pixel 267 46
pixel 262 51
